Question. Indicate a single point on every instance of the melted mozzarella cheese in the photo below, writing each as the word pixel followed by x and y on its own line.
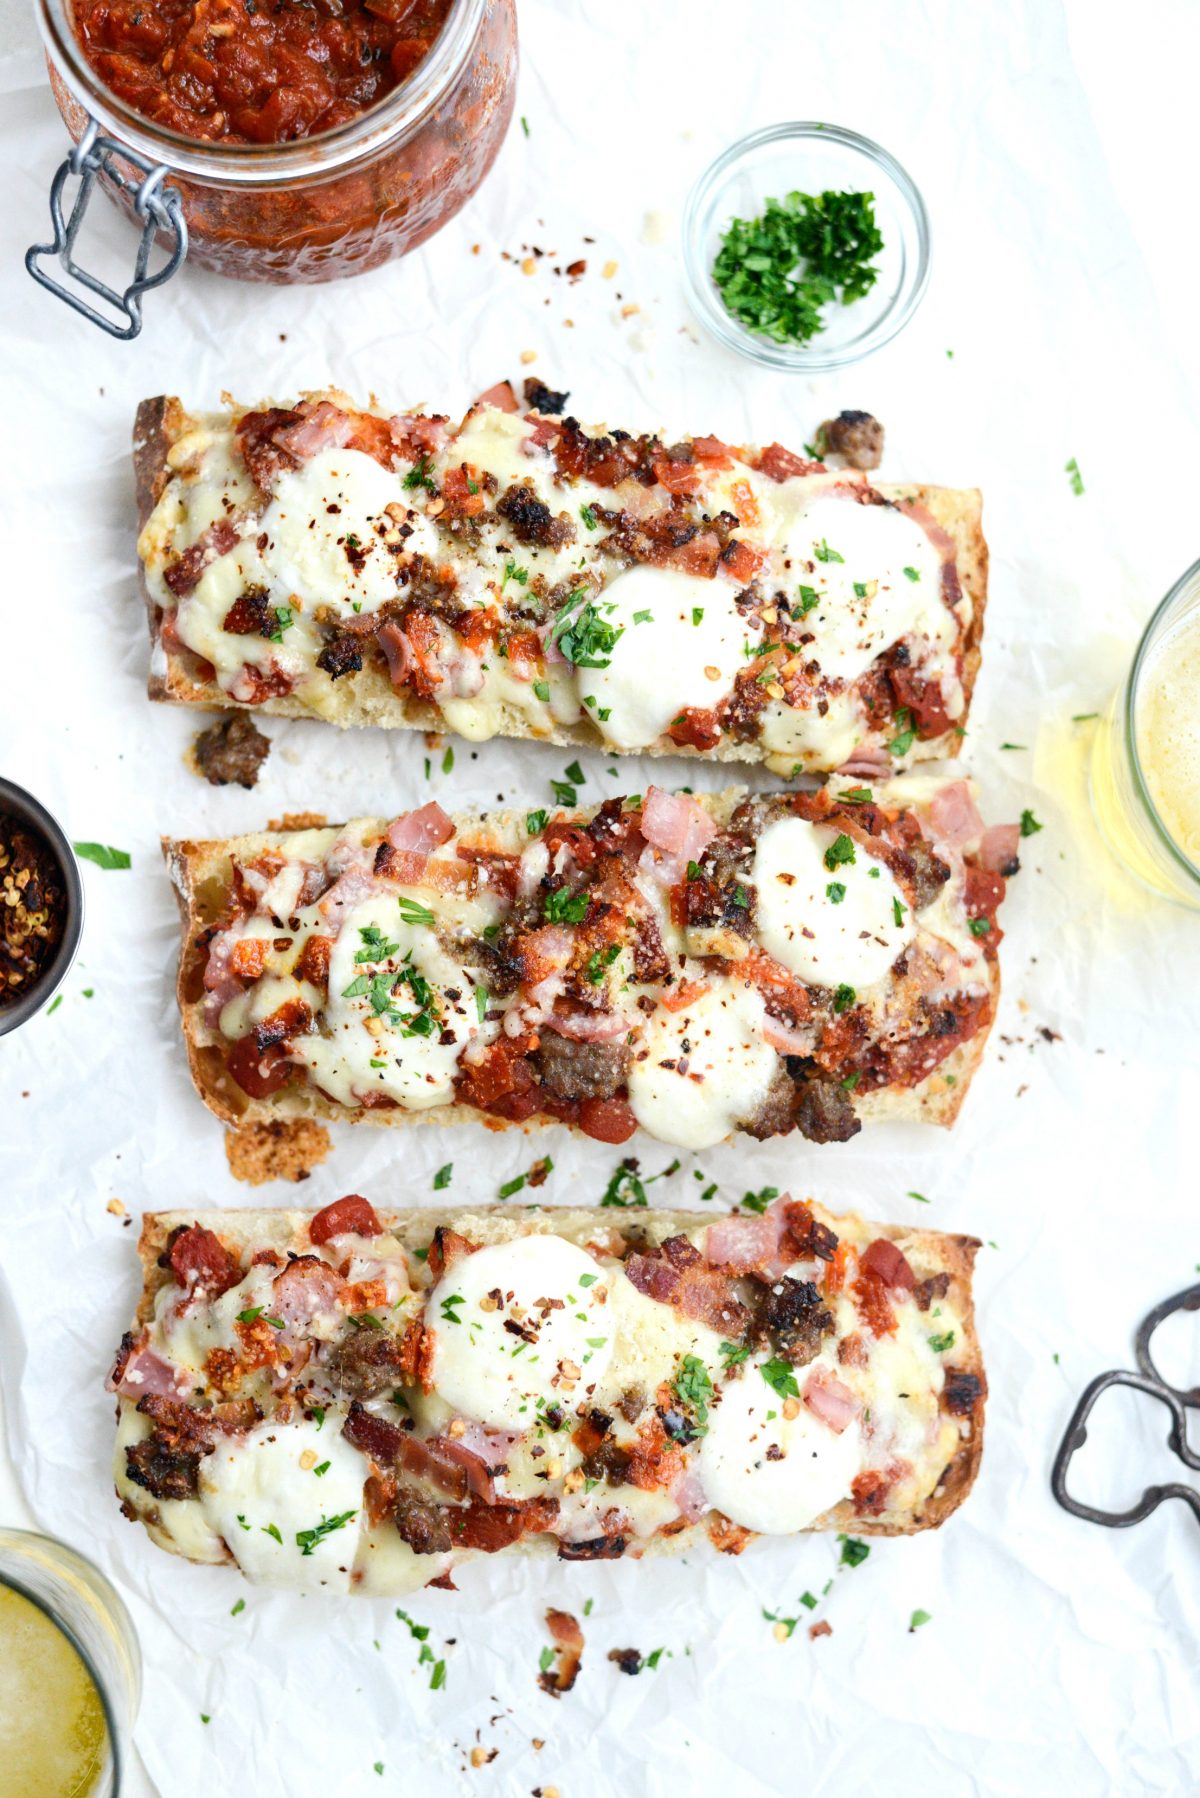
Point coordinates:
pixel 768 1472
pixel 851 939
pixel 415 1070
pixel 556 1297
pixel 699 1072
pixel 386 1567
pixel 855 557
pixel 177 1523
pixel 681 645
pixel 325 528
pixel 650 1340
pixel 261 1491
pixel 801 735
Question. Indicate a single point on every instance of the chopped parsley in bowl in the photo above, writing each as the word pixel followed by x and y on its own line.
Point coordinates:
pixel 806 247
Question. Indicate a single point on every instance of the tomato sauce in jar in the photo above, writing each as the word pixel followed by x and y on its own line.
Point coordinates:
pixel 307 140
pixel 256 71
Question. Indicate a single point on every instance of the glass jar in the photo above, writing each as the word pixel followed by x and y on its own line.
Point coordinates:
pixel 71 1663
pixel 1146 743
pixel 316 209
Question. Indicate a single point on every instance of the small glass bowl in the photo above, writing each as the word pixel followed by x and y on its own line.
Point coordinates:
pixel 810 157
pixel 40 820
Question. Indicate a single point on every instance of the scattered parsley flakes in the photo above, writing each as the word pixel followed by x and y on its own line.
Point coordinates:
pixel 758 1201
pixel 588 517
pixel 1029 824
pixel 419 475
pixel 541 690
pixel 906 733
pixel 535 822
pixel 979 926
pixel 844 997
pixel 693 1388
pixel 777 271
pixel 238 1608
pixel 564 907
pixel 835 892
pixel 912 574
pixel 1072 469
pixel 854 1552
pixel 943 1343
pixel 919 1197
pixel 441 1179
pixel 411 912
pixel 103 854
pixel 823 553
pixel 918 1618
pixel 780 1376
pixel 840 852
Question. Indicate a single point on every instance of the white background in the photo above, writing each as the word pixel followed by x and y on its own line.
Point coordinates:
pixel 1059 171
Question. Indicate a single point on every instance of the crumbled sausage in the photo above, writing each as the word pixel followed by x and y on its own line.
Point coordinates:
pixel 824 1112
pixel 962 1392
pixel 777 1113
pixel 164 1472
pixel 576 1070
pixel 544 399
pixel 365 1363
pixel 421 1524
pixel 341 655
pixel 532 520
pixel 794 1316
pixel 856 437
pixel 231 752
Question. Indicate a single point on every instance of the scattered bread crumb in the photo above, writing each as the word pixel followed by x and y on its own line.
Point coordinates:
pixel 116 1207
pixel 284 1149
pixel 299 821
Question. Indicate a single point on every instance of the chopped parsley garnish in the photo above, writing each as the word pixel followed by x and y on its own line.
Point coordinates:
pixel 941 1344
pixel 860 589
pixel 898 911
pixel 840 852
pixel 856 796
pixel 697 614
pixel 919 1197
pixel 835 892
pixel 979 926
pixel 437 1678
pixel 411 912
pixel 252 1315
pixel 788 1623
pixel 306 1540
pixel 851 1080
pixel 780 1376
pixel 600 960
pixel 448 761
pixel 776 272
pixel 823 553
pixel 1029 824
pixel 854 1552
pixel 448 1313
pixel 912 574
pixel 541 690
pixel 419 475
pixel 583 636
pixel 238 1608
pixel 513 573
pixel 441 1179
pixel 375 946
pixel 284 621
pixel 574 773
pixel 103 855
pixel 1072 469
pixel 643 617
pixel 694 1388
pixel 566 795
pixel 1014 745
pixel 809 597
pixel 920 1617
pixel 844 997
pixel 627 1186
pixel 535 822
pixel 758 1201
pixel 588 517
pixel 322 1469
pixel 733 1354
pixel 741 898
pixel 272 1529
pixel 481 1002
pixel 564 907
pixel 906 733
pixel 511 1186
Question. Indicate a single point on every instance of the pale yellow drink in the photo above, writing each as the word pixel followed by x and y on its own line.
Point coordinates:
pixel 1145 772
pixel 53 1736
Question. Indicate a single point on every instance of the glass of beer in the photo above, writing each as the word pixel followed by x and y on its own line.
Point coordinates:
pixel 70 1672
pixel 1145 771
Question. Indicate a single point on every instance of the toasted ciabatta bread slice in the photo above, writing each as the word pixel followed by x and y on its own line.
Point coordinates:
pixel 516 576
pixel 359 1401
pixel 690 964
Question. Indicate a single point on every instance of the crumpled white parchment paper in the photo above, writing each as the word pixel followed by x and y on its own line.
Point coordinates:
pixel 1057 1656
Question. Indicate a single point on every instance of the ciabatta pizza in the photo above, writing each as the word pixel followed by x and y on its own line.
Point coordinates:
pixel 359 1402
pixel 517 575
pixel 692 965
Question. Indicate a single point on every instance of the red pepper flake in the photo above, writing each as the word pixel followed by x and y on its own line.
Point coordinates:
pixel 33 908
pixel 819 1629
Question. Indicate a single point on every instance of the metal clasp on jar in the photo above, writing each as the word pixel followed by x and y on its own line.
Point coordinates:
pixel 159 207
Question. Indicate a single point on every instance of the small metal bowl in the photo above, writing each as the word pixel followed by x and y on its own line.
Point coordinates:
pixel 810 157
pixel 20 804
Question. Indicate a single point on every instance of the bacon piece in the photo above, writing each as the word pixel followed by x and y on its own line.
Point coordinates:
pixel 501 1081
pixel 185 572
pixel 678 1275
pixel 780 464
pixel 740 561
pixel 695 728
pixel 501 396
pixel 446 1248
pixel 568 1637
pixel 1000 849
pixel 688 1494
pixel 415 434
pixel 869 1490
pixel 787 1038
pixel 831 1401
pixel 306 1287
pixel 954 815
pixel 924 699
pixel 312 963
pixel 677 476
pixel 352 1215
pixel 591 1026
pixel 374 1436
pixel 398 652
pixel 492 1527
pixel 425 829
pixel 740 1244
pixel 200 1261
